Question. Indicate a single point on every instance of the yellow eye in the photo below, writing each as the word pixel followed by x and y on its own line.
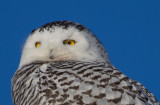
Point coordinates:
pixel 69 42
pixel 37 44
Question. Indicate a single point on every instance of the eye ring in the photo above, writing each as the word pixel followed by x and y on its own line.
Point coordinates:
pixel 69 42
pixel 37 44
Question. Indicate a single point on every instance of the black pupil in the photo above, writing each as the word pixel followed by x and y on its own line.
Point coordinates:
pixel 36 44
pixel 69 42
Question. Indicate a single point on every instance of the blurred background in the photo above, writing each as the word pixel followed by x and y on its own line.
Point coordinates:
pixel 128 29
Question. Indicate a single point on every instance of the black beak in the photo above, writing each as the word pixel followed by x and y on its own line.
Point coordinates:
pixel 50 54
pixel 51 57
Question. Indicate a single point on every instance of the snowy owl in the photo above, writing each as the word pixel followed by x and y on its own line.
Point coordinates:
pixel 63 63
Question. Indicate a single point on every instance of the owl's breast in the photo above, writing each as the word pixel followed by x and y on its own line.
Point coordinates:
pixel 75 83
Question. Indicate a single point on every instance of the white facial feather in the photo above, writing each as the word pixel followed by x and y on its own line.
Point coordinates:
pixel 87 47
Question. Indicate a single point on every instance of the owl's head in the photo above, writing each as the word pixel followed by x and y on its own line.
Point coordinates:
pixel 62 41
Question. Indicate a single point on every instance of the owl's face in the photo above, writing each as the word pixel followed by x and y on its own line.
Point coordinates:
pixel 62 44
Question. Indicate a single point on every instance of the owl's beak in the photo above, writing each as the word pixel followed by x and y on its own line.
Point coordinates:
pixel 51 57
pixel 59 57
pixel 50 54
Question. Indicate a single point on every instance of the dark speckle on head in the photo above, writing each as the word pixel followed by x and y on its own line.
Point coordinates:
pixel 60 24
